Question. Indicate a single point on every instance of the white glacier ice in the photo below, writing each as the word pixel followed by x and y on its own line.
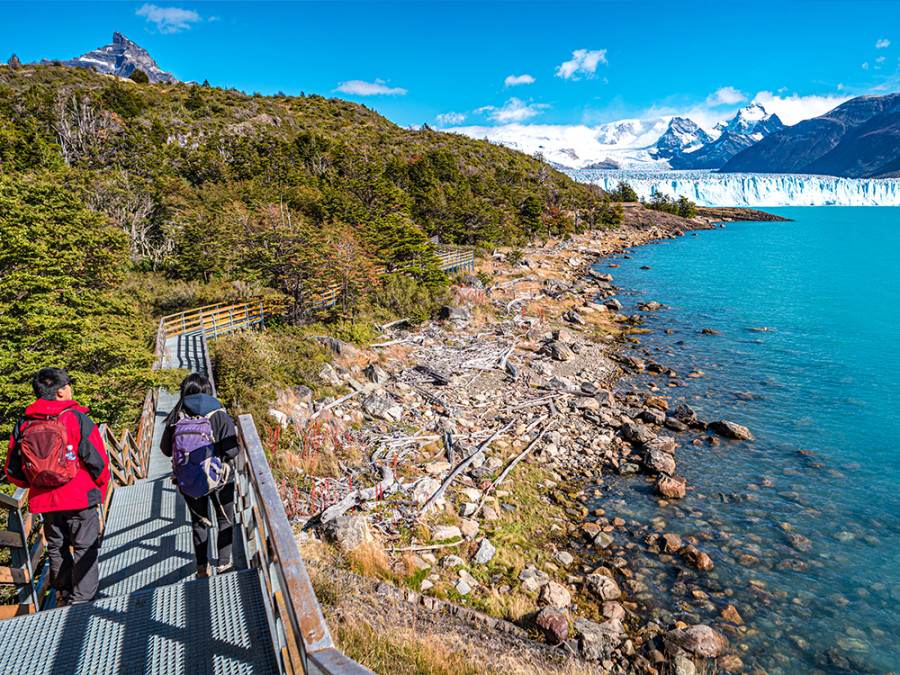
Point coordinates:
pixel 707 188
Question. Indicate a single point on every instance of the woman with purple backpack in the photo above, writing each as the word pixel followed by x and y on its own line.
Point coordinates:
pixel 202 440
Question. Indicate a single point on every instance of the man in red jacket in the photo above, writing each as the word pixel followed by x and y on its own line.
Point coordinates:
pixel 70 513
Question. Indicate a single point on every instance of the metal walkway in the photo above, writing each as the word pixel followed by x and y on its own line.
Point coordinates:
pixel 151 615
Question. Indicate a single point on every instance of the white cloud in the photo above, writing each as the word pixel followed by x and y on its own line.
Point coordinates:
pixel 865 66
pixel 514 110
pixel 169 19
pixel 726 96
pixel 514 80
pixel 794 108
pixel 880 59
pixel 451 118
pixel 376 88
pixel 583 62
pixel 883 43
pixel 880 87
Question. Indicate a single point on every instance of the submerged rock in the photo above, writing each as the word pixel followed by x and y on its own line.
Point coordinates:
pixel 670 487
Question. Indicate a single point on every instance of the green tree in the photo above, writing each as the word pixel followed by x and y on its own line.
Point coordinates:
pixel 61 265
pixel 139 76
pixel 686 208
pixel 623 193
pixel 122 101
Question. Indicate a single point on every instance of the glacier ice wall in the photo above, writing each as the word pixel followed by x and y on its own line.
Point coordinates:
pixel 751 190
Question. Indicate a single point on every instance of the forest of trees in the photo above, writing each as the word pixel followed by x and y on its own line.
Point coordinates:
pixel 120 199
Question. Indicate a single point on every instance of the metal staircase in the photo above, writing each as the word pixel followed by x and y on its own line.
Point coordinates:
pixel 152 615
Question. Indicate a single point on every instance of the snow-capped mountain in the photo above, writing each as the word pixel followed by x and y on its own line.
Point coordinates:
pixel 121 57
pixel 683 135
pixel 657 143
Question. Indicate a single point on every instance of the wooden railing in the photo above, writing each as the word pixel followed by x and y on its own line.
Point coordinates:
pixel 24 538
pixel 301 634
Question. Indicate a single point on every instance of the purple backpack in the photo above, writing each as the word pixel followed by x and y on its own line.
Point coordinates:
pixel 196 468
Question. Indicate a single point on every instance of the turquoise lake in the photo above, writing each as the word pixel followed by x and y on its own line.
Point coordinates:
pixel 814 500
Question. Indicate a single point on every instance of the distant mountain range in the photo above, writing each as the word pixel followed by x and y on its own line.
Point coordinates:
pixel 121 58
pixel 858 139
pixel 650 144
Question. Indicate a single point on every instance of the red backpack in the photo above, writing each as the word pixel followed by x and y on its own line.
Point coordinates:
pixel 48 460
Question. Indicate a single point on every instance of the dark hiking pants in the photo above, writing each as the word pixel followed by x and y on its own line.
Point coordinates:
pixel 222 503
pixel 75 574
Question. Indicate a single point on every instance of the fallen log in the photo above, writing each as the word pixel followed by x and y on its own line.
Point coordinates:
pixel 358 496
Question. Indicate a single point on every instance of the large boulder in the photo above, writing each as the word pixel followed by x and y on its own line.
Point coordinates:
pixel 684 413
pixel 731 430
pixel 454 313
pixel 603 587
pixel 599 640
pixel 349 532
pixel 377 374
pixel 698 640
pixel 559 351
pixel 554 624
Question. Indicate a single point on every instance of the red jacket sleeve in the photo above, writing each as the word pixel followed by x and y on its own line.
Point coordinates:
pixel 14 455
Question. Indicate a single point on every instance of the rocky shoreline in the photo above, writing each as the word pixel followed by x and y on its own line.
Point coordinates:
pixel 486 436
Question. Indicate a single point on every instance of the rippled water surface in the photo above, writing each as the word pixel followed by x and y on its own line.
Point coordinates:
pixel 814 499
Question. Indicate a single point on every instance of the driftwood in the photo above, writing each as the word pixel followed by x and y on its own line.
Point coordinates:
pixel 333 404
pixel 516 460
pixel 357 496
pixel 439 378
pixel 460 468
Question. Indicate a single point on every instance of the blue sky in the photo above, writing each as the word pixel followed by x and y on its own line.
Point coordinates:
pixel 482 63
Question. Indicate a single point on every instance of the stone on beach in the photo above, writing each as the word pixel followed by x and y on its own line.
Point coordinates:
pixel 657 461
pixel 560 351
pixel 555 595
pixel 637 433
pixel 599 640
pixel 532 579
pixel 603 587
pixel 696 558
pixel 554 624
pixel 662 443
pixel 684 413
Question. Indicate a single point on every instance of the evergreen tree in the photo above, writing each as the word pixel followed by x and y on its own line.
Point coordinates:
pixel 139 76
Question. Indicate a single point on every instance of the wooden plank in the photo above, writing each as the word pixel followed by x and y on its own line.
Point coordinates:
pixel 38 550
pixel 11 539
pixel 9 611
pixel 16 501
pixel 290 639
pixel 13 575
pixel 29 523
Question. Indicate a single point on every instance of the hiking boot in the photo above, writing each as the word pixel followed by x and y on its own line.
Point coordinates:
pixel 222 569
pixel 203 571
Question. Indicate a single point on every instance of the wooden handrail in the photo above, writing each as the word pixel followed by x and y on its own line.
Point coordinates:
pixel 269 539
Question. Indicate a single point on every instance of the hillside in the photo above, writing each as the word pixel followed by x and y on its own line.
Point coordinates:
pixel 857 139
pixel 165 196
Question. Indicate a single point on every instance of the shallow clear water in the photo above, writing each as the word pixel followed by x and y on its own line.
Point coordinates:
pixel 819 391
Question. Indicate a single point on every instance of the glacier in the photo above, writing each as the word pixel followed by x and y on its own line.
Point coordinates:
pixel 708 188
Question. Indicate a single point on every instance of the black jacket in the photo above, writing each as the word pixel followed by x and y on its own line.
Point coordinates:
pixel 224 431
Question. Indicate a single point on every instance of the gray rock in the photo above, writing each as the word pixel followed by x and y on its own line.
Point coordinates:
pixel 472 281
pixel 424 489
pixel 684 413
pixel 731 430
pixel 602 586
pixel 661 443
pixel 574 317
pixel 454 313
pixel 349 532
pixel 657 461
pixel 628 468
pixel 554 624
pixel 559 351
pixel 382 408
pixel 599 640
pixel 451 561
pixel 377 374
pixel 329 376
pixel 614 305
pixel 683 665
pixel 652 416
pixel 463 587
pixel 564 558
pixel 485 552
pixel 603 540
pixel 562 383
pixel 532 579
pixel 675 424
pixel 637 433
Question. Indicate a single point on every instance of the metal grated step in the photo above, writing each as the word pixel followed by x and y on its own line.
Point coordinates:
pixel 209 626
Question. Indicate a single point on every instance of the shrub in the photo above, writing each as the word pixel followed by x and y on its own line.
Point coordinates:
pixel 139 76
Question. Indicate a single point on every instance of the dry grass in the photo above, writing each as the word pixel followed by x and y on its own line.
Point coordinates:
pixel 371 561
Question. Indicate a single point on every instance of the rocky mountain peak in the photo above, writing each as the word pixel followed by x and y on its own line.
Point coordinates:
pixel 682 135
pixel 121 57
